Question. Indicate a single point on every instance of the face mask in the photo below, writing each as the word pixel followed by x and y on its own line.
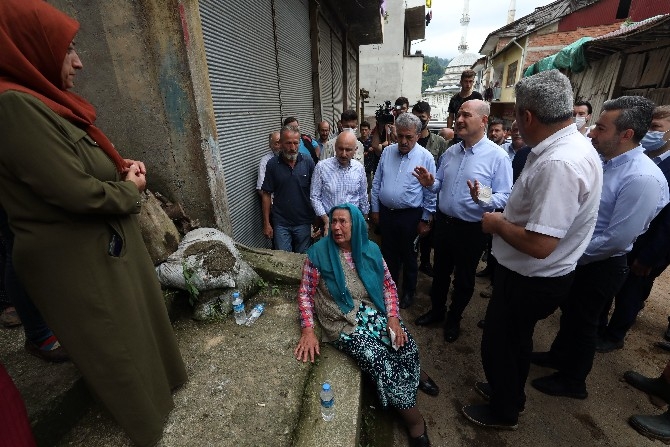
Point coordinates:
pixel 424 123
pixel 653 140
pixel 579 121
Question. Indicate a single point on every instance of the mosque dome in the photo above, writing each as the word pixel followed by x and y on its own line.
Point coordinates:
pixel 463 60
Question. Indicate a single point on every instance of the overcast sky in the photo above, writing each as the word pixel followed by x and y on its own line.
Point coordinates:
pixel 444 32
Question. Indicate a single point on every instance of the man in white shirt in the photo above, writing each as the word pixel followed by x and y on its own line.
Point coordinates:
pixel 349 120
pixel 274 146
pixel 546 226
pixel 581 111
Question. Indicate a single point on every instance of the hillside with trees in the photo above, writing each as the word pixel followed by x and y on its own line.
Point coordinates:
pixel 436 66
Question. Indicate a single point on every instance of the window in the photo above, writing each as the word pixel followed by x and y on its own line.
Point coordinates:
pixel 511 74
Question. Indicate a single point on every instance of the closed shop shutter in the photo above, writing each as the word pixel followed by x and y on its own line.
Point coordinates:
pixel 241 61
pixel 352 79
pixel 295 62
pixel 339 89
pixel 326 72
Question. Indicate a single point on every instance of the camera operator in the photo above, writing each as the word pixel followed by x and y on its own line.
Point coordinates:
pixel 384 132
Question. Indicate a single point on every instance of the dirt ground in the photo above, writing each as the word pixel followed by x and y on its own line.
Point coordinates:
pixel 600 420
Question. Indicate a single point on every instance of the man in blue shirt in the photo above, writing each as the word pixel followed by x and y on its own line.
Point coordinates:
pixel 459 240
pixel 400 205
pixel 651 252
pixel 286 193
pixel 634 191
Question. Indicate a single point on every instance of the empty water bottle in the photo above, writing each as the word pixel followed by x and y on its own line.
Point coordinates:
pixel 238 309
pixel 327 402
pixel 255 313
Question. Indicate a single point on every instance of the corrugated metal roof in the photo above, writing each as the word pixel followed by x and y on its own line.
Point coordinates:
pixel 542 16
pixel 647 31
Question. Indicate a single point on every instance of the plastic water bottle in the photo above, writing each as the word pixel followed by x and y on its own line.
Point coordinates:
pixel 238 309
pixel 327 402
pixel 255 313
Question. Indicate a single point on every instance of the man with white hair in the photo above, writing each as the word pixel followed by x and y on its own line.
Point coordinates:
pixel 400 205
pixel 546 226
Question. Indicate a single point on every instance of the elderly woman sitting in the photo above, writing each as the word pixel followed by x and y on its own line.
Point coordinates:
pixel 345 279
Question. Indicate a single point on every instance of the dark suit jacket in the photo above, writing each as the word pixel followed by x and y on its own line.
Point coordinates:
pixel 653 247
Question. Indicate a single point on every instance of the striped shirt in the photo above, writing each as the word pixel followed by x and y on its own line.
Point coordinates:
pixel 334 184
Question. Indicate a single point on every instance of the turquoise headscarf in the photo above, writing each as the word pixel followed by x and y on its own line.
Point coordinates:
pixel 325 255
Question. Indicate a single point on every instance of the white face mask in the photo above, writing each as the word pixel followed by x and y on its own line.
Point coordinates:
pixel 654 139
pixel 579 121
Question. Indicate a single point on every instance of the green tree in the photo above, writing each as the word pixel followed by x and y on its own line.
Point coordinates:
pixel 436 66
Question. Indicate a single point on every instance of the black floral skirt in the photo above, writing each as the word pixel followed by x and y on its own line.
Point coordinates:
pixel 396 373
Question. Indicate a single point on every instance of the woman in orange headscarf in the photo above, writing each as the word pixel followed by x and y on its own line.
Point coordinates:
pixel 72 202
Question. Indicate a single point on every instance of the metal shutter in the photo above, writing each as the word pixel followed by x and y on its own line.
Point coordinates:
pixel 240 52
pixel 326 72
pixel 295 62
pixel 352 79
pixel 338 87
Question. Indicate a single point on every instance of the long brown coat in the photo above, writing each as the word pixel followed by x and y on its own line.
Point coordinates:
pixel 64 200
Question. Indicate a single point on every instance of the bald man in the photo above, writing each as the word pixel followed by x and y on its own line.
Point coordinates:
pixel 339 179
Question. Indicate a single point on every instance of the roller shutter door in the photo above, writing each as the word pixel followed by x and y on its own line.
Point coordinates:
pixel 295 62
pixel 326 72
pixel 241 60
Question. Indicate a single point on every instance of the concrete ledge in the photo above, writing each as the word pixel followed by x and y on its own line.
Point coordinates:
pixel 274 266
pixel 346 379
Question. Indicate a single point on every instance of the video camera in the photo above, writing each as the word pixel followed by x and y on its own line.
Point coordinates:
pixel 385 113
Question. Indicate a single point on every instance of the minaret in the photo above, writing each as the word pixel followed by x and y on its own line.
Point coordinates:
pixel 465 20
pixel 511 12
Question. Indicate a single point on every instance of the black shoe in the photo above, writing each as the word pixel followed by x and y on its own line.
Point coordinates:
pixel 406 300
pixel 605 345
pixel 543 359
pixel 654 427
pixel 451 331
pixel 484 389
pixel 426 268
pixel 481 324
pixel 655 387
pixel 483 416
pixel 667 331
pixel 429 318
pixel 420 441
pixel 557 385
pixel 428 386
pixel 484 273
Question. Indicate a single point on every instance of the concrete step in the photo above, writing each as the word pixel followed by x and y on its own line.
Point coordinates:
pixel 245 388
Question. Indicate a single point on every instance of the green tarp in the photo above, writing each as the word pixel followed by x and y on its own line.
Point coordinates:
pixel 569 58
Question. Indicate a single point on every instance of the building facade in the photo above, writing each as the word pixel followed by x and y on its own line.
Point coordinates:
pixel 388 70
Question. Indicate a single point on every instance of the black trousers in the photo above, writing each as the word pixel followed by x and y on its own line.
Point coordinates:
pixel 575 344
pixel 426 245
pixel 628 302
pixel 458 247
pixel 518 303
pixel 398 228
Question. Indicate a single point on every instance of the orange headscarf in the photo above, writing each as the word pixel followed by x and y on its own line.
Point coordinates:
pixel 34 37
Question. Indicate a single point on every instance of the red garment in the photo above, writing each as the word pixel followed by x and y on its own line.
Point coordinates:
pixel 34 37
pixel 14 425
